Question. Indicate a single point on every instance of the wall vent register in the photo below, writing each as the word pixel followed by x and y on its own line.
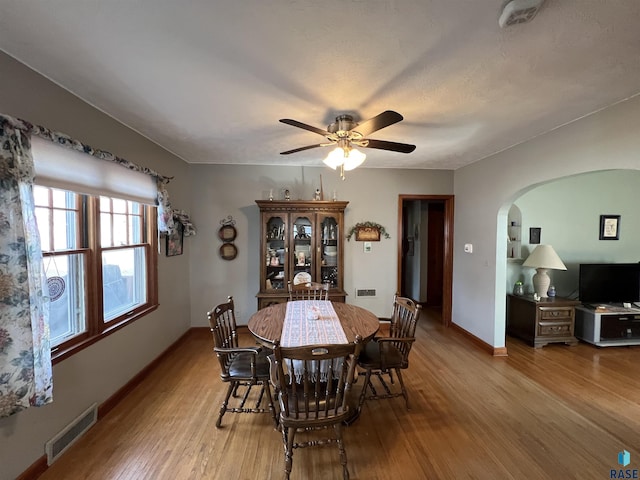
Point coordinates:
pixel 366 292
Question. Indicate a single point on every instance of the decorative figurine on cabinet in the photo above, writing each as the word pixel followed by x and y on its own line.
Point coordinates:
pixel 301 233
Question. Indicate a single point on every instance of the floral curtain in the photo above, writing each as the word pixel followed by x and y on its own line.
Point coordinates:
pixel 25 352
pixel 183 217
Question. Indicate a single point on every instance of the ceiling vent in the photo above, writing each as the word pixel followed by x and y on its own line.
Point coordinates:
pixel 519 11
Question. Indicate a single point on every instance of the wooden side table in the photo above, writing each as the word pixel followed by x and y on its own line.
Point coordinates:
pixel 548 320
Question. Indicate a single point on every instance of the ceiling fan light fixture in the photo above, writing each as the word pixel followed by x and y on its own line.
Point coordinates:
pixel 347 158
pixel 335 158
pixel 354 159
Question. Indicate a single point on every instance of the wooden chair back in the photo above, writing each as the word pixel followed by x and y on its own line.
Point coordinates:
pixel 309 291
pixel 404 319
pixel 223 316
pixel 314 381
pixel 313 385
pixel 239 366
pixel 390 353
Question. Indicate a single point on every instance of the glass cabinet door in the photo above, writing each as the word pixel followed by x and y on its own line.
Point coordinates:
pixel 330 235
pixel 275 258
pixel 302 254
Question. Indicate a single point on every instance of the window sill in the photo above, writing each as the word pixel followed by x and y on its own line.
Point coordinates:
pixel 58 354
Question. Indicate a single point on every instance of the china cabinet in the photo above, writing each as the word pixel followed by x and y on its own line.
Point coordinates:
pixel 300 241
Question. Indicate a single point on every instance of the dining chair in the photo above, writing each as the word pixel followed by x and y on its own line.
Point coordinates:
pixel 309 291
pixel 313 385
pixel 239 366
pixel 384 355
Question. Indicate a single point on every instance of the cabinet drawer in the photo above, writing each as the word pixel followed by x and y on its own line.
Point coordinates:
pixel 554 329
pixel 557 313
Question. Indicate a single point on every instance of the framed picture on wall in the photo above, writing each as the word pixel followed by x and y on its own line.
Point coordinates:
pixel 368 234
pixel 609 227
pixel 534 235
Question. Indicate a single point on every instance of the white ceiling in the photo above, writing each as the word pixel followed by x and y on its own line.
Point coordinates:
pixel 208 80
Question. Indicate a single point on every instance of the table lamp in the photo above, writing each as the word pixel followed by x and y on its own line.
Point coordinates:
pixel 543 258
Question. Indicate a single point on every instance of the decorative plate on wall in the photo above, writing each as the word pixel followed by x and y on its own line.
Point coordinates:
pixel 228 251
pixel 227 233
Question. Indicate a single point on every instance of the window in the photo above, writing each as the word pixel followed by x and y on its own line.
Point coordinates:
pixel 100 262
pixel 124 283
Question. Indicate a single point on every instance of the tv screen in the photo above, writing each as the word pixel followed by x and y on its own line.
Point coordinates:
pixel 609 282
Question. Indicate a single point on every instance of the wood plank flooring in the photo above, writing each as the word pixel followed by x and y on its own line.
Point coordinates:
pixel 558 412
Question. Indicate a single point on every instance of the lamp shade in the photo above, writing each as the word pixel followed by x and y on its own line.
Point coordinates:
pixel 543 258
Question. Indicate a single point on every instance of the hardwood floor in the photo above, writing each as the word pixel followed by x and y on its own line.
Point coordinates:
pixel 558 412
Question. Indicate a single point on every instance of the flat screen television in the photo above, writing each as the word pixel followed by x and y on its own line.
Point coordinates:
pixel 609 282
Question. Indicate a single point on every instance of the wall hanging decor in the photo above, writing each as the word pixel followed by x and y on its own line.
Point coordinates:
pixel 55 282
pixel 534 235
pixel 228 251
pixel 609 227
pixel 367 232
pixel 228 233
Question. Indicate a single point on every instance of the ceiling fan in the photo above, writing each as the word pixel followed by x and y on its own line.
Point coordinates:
pixel 346 133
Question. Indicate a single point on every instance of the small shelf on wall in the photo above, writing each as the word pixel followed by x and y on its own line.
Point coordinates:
pixel 514 234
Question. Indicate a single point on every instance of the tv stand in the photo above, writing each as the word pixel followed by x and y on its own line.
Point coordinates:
pixel 608 325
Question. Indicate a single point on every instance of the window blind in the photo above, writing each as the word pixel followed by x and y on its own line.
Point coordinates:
pixel 60 167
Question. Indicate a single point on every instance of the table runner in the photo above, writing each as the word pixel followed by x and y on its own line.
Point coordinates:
pixel 299 330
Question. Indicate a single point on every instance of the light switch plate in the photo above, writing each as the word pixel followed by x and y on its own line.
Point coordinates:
pixel 468 248
pixel 367 247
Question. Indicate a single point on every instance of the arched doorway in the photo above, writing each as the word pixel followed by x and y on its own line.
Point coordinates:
pixel 566 214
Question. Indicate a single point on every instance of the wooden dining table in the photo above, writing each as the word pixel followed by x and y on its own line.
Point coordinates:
pixel 266 324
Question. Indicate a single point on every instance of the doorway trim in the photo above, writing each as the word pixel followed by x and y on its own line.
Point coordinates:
pixel 447 273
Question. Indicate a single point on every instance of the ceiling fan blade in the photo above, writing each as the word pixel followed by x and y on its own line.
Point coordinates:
pixel 301 149
pixel 393 146
pixel 378 122
pixel 298 124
